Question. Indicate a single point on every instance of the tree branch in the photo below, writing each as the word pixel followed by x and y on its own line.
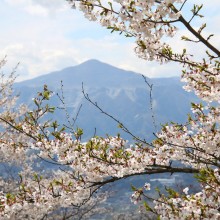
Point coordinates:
pixel 150 172
pixel 195 33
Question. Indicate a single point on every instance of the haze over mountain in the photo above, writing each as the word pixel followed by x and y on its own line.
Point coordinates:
pixel 123 94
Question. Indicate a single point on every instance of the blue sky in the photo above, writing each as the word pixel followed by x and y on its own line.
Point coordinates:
pixel 46 35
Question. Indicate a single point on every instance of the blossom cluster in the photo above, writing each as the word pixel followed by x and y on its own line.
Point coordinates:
pixel 148 21
pixel 202 205
pixel 204 80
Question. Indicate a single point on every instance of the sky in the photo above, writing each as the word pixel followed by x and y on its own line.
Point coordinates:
pixel 47 35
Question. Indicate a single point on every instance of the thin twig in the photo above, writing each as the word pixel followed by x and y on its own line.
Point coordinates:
pixel 151 102
pixel 74 119
pixel 122 126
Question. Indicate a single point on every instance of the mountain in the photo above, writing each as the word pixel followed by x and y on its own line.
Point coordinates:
pixel 123 94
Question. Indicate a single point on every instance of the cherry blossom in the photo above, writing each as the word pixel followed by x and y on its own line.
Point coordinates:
pixel 82 168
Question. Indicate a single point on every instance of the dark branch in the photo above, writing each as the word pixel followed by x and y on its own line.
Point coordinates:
pixel 195 33
pixel 150 172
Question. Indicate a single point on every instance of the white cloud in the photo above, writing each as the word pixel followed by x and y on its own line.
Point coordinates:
pixel 46 35
pixel 40 45
pixel 39 7
pixel 39 58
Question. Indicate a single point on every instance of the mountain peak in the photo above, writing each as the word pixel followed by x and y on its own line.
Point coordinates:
pixel 93 63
